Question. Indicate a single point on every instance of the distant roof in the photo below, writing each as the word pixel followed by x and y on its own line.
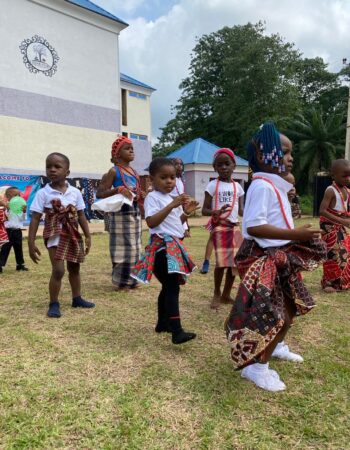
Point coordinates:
pixel 200 151
pixel 131 80
pixel 86 4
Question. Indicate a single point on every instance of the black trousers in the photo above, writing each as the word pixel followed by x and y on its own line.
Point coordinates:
pixel 15 241
pixel 168 299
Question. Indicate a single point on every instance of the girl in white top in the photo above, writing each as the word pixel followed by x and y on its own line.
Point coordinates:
pixel 269 263
pixel 335 221
pixel 165 255
pixel 180 189
pixel 223 201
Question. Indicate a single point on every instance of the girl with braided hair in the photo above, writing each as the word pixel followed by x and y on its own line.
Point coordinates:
pixel 269 262
pixel 124 225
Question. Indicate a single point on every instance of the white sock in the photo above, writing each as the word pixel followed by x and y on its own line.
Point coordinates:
pixel 260 367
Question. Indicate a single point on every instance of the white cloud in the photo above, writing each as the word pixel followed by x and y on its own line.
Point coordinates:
pixel 158 52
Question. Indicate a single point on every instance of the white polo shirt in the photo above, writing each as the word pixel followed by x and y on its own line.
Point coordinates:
pixel 155 201
pixel 45 195
pixel 262 207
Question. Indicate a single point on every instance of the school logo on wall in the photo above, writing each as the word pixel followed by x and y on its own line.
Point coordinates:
pixel 39 55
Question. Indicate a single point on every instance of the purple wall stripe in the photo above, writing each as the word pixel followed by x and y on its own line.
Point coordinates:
pixel 27 105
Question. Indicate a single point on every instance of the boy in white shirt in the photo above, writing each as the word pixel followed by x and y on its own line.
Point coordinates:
pixel 13 225
pixel 271 292
pixel 165 255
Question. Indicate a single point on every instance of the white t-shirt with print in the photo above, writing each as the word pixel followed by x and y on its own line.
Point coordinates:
pixel 262 207
pixel 225 196
pixel 155 201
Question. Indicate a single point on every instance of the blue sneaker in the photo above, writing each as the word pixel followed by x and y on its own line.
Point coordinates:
pixel 205 266
pixel 79 302
pixel 54 310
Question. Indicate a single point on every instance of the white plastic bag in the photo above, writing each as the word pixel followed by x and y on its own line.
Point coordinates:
pixel 111 204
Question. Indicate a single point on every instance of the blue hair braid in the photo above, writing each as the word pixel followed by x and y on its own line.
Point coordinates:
pixel 268 141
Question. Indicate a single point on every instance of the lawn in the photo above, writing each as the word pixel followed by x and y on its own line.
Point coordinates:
pixel 103 379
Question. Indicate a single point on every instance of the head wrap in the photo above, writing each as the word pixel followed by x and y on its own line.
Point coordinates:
pixel 118 144
pixel 268 141
pixel 226 151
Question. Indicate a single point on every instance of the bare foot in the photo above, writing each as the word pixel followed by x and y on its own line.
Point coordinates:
pixel 215 303
pixel 227 300
pixel 329 290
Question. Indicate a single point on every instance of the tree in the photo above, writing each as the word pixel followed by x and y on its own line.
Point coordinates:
pixel 238 77
pixel 319 138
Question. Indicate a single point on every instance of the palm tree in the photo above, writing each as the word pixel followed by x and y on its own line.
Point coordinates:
pixel 318 138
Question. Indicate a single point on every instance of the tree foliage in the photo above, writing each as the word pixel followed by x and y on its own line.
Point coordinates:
pixel 318 138
pixel 240 77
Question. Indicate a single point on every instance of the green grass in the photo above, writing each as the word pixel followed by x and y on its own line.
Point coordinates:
pixel 306 203
pixel 103 379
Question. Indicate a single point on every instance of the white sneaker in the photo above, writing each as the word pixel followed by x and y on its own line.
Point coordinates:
pixel 282 352
pixel 264 379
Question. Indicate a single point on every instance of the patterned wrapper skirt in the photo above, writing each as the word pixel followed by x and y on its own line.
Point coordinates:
pixel 227 239
pixel 178 259
pixel 336 268
pixel 270 277
pixel 124 244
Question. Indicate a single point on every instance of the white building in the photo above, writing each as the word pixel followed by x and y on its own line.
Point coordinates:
pixel 60 88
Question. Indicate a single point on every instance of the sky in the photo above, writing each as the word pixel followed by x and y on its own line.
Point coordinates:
pixel 156 47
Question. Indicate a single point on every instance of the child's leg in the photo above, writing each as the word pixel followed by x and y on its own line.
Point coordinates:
pixel 171 291
pixel 75 284
pixel 74 278
pixel 226 293
pixel 289 313
pixel 163 321
pixel 218 276
pixel 56 275
pixel 5 251
pixel 208 251
pixel 18 248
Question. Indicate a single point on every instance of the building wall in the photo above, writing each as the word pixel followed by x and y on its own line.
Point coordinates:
pixel 77 110
pixel 197 179
pixel 138 111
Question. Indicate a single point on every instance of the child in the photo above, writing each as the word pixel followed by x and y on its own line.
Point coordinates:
pixel 293 198
pixel 180 189
pixel 3 217
pixel 223 201
pixel 124 225
pixel 334 221
pixel 271 292
pixel 14 225
pixel 63 206
pixel 165 254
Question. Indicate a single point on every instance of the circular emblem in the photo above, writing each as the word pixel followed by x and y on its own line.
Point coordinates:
pixel 39 55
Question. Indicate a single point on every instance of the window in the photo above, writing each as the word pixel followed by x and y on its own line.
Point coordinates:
pixel 137 95
pixel 124 108
pixel 124 133
pixel 139 137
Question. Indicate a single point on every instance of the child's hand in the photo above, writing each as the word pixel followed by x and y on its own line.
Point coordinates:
pixel 34 253
pixel 24 208
pixel 180 200
pixel 346 222
pixel 187 234
pixel 191 206
pixel 87 244
pixel 127 193
pixel 306 233
pixel 216 213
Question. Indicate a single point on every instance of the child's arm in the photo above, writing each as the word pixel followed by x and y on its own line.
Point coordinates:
pixel 157 219
pixel 34 252
pixel 106 189
pixel 188 208
pixel 85 227
pixel 240 206
pixel 303 233
pixel 329 197
pixel 208 211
